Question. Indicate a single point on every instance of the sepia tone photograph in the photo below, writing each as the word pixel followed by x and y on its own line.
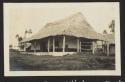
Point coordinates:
pixel 81 38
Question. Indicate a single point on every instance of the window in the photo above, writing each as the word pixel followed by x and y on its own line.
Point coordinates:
pixel 86 46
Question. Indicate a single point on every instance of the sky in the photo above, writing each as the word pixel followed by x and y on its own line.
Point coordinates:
pixel 24 16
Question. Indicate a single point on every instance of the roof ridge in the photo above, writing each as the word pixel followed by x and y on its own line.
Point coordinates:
pixel 78 14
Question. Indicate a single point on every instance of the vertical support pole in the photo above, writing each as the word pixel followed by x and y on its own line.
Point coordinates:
pixel 48 44
pixel 93 47
pixel 102 42
pixel 53 44
pixel 107 48
pixel 34 46
pixel 80 46
pixel 77 44
pixel 24 46
pixel 64 43
pixel 102 46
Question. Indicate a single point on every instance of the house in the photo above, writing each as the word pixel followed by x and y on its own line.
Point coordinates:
pixel 69 35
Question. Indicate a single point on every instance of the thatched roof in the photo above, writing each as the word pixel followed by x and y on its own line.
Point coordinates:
pixel 110 38
pixel 75 25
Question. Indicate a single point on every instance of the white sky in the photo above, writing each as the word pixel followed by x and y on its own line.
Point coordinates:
pixel 22 16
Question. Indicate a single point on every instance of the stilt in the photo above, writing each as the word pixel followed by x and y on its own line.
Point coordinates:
pixel 64 43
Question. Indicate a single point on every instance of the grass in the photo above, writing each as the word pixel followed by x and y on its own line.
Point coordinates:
pixel 68 62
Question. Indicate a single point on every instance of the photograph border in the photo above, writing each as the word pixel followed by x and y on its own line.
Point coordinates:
pixel 63 78
pixel 116 72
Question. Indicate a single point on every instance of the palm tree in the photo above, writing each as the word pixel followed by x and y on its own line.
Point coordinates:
pixel 27 32
pixel 19 38
pixel 112 26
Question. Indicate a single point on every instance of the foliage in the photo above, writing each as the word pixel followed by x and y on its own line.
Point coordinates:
pixel 27 32
pixel 19 38
pixel 105 32
pixel 112 26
